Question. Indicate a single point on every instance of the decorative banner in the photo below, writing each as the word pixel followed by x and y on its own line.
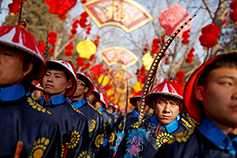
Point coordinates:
pixel 125 14
pixel 122 74
pixel 118 55
pixel 172 18
pixel 118 83
pixel 86 49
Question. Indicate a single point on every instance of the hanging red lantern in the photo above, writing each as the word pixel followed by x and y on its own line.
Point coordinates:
pixel 80 61
pixel 51 50
pixel 97 70
pixel 68 52
pixel 13 8
pixel 180 74
pixel 208 40
pixel 69 46
pixel 52 40
pixel 211 28
pixel 189 59
pixel 233 5
pixel 52 34
pixel 42 47
pixel 233 15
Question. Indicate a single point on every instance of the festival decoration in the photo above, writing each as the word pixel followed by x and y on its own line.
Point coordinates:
pixel 180 77
pixel 172 18
pixel 60 7
pixel 86 49
pixel 105 80
pixel 125 14
pixel 141 75
pixel 69 49
pixel 147 60
pixel 97 70
pixel 118 55
pixel 14 7
pixel 137 86
pixel 155 46
pixel 122 74
pixel 80 61
pixel 185 37
pixel 96 41
pixel 42 47
pixel 209 34
pixel 190 56
pixel 233 14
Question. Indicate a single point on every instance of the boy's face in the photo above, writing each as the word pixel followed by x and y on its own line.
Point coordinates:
pixel 81 88
pixel 219 96
pixel 137 104
pixel 166 110
pixel 91 97
pixel 55 82
pixel 11 66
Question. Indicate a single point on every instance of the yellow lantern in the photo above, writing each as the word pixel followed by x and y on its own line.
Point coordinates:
pixel 137 86
pixel 147 60
pixel 105 80
pixel 86 49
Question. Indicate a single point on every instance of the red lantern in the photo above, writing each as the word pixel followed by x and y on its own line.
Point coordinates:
pixel 42 46
pixel 211 28
pixel 233 15
pixel 51 50
pixel 14 8
pixel 69 46
pixel 208 40
pixel 52 40
pixel 233 5
pixel 52 34
pixel 68 52
pixel 180 74
pixel 80 61
pixel 189 59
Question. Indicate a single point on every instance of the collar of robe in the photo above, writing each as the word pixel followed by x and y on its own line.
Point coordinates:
pixel 135 113
pixel 59 99
pixel 170 127
pixel 12 93
pixel 217 137
pixel 78 104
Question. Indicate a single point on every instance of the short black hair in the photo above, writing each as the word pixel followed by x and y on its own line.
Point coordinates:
pixel 56 66
pixel 228 61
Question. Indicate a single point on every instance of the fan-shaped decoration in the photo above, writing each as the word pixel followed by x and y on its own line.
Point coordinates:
pixel 125 14
pixel 172 18
pixel 119 84
pixel 86 49
pixel 122 74
pixel 118 55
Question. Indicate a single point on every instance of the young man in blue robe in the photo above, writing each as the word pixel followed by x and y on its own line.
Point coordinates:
pixel 94 117
pixel 60 82
pixel 26 128
pixel 167 100
pixel 210 97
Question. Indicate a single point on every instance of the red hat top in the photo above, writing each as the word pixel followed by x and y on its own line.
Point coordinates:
pixel 37 84
pixel 104 99
pixel 86 78
pixel 137 95
pixel 166 88
pixel 190 102
pixel 71 69
pixel 17 37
